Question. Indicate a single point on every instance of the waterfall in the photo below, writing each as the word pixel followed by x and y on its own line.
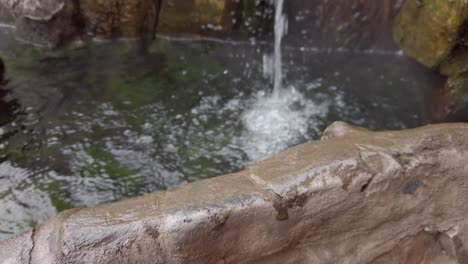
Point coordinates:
pixel 280 32
pixel 272 65
pixel 279 119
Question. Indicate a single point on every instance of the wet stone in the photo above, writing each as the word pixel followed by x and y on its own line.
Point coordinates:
pixel 197 17
pixel 119 18
pixel 2 71
pixel 451 103
pixel 429 30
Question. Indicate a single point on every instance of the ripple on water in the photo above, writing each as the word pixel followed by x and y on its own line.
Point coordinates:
pixel 188 111
pixel 22 204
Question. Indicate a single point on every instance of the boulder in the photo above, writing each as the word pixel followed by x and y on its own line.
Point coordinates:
pixel 37 10
pixel 456 63
pixel 355 197
pixel 44 22
pixel 451 102
pixel 428 30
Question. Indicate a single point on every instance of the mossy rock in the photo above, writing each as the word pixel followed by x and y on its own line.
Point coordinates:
pixel 452 101
pixel 428 30
pixel 459 92
pixel 456 63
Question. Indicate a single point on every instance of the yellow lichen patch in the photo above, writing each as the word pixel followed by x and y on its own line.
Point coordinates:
pixel 456 63
pixel 211 10
pixel 427 30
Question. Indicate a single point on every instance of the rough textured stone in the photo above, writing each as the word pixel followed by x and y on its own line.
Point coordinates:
pixel 53 22
pixel 429 30
pixel 44 22
pixel 355 24
pixel 18 250
pixel 451 102
pixel 50 33
pixel 128 18
pixel 2 71
pixel 197 17
pixel 456 63
pixel 6 18
pixel 357 197
pixel 35 9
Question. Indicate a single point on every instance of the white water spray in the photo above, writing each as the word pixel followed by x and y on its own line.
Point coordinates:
pixel 280 119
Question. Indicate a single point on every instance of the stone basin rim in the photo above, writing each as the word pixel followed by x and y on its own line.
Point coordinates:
pixel 349 172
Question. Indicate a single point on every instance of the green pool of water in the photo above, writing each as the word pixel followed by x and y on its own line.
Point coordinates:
pixel 109 121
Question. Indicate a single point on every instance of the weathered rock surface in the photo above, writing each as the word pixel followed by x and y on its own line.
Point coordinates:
pixel 52 22
pixel 456 63
pixel 452 101
pixel 356 24
pixel 2 71
pixel 6 18
pixel 195 16
pixel 434 32
pixel 357 197
pixel 110 18
pixel 200 17
pixel 35 9
pixel 429 30
pixel 43 22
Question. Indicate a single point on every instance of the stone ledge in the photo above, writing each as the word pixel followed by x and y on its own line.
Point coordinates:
pixel 355 197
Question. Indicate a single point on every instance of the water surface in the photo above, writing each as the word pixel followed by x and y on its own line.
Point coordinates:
pixel 109 121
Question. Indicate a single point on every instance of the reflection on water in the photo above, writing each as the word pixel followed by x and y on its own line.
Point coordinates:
pixel 100 123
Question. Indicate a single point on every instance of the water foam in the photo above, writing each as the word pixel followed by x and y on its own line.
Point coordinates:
pixel 280 119
pixel 277 121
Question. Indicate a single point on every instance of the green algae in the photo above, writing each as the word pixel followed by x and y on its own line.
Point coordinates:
pixel 428 32
pixel 129 86
pixel 459 92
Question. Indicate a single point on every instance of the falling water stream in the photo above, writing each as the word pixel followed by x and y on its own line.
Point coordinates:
pixel 279 118
pixel 273 66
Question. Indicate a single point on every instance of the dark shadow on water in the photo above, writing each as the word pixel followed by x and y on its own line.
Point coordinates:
pixel 8 106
